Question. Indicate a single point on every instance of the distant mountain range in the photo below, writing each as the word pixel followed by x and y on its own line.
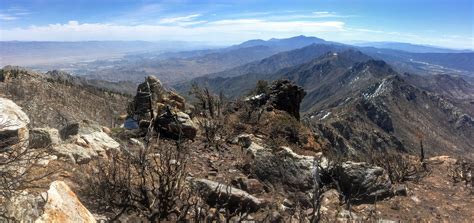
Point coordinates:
pixel 408 47
pixel 132 61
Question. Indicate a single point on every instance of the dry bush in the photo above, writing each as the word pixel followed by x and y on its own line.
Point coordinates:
pixel 19 169
pixel 149 182
pixel 461 171
pixel 211 113
pixel 399 167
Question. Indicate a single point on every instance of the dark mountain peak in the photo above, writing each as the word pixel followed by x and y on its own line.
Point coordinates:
pixel 349 54
pixel 373 67
pixel 285 43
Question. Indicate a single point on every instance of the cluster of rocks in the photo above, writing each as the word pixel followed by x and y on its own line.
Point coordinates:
pixel 59 203
pixel 166 109
pixel 282 95
pixel 282 166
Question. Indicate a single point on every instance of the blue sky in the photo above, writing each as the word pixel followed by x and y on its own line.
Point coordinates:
pixel 448 23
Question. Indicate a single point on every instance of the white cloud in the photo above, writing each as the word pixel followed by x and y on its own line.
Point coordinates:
pixel 325 14
pixel 172 20
pixel 221 31
pixel 7 17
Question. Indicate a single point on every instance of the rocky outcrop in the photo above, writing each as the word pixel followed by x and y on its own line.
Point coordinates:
pixel 220 194
pixel 63 206
pixel 152 96
pixel 166 107
pixel 294 172
pixel 286 96
pixel 13 124
pixel 282 95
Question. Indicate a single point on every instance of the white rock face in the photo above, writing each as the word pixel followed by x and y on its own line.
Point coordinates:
pixel 11 116
pixel 13 122
pixel 100 141
pixel 84 141
pixel 63 206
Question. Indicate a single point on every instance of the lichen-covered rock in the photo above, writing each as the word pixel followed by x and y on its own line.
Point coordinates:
pixel 44 137
pixel 363 182
pixel 63 206
pixel 176 125
pixel 282 166
pixel 84 141
pixel 22 206
pixel 74 153
pixel 233 198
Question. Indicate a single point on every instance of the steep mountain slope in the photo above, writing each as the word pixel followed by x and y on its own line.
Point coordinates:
pixel 55 102
pixel 359 104
pixel 238 80
pixel 182 66
pixel 391 113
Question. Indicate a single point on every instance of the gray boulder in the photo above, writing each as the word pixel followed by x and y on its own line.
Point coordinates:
pixel 363 182
pixel 232 198
pixel 176 125
pixel 85 140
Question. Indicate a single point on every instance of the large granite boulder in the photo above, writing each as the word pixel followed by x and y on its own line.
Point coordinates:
pixel 59 204
pixel 282 166
pixel 84 141
pixel 21 206
pixel 63 206
pixel 363 182
pixel 220 194
pixel 13 125
pixel 175 125
pixel 279 166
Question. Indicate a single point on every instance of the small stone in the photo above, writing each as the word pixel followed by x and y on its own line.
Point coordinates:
pixel 400 190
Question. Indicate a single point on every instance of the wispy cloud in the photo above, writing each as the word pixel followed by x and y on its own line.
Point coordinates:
pixel 325 14
pixel 13 13
pixel 171 20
